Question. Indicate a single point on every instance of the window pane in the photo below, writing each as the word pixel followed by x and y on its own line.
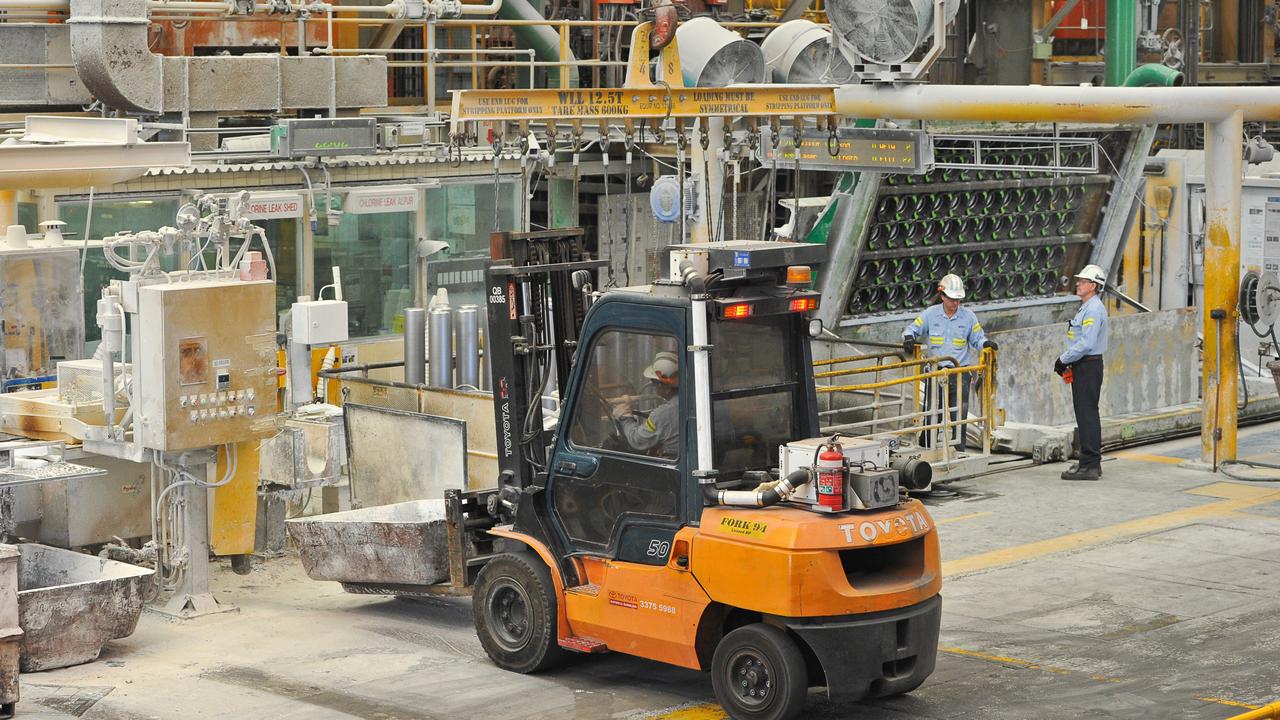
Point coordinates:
pixel 616 378
pixel 749 430
pixel 462 213
pixel 750 427
pixel 748 353
pixel 109 217
pixel 375 253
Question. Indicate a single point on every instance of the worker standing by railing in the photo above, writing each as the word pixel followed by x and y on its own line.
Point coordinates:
pixel 947 329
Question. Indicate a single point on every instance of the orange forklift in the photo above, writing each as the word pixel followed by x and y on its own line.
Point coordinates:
pixel 681 506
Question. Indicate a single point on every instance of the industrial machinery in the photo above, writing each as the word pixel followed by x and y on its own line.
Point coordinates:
pixel 641 549
pixel 185 374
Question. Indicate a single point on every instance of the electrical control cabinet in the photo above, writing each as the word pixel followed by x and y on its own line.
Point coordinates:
pixel 207 364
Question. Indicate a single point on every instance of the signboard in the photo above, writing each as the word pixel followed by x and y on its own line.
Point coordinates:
pixel 273 206
pixel 901 151
pixel 393 198
pixel 648 102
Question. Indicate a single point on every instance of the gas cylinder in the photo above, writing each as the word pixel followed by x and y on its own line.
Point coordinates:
pixel 831 476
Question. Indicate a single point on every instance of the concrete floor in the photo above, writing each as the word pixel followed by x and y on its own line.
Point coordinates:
pixel 1150 594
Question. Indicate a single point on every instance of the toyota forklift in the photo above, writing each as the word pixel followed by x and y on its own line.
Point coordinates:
pixel 744 544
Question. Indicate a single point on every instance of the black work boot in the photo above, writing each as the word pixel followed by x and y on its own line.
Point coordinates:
pixel 1075 468
pixel 1076 473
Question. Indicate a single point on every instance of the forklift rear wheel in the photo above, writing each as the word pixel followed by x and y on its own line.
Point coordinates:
pixel 515 613
pixel 758 673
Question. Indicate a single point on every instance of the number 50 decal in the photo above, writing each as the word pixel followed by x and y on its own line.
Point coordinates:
pixel 658 548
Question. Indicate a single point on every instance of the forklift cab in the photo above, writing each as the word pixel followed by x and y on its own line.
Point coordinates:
pixel 622 467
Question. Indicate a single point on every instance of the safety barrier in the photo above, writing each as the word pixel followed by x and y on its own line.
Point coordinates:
pixel 898 392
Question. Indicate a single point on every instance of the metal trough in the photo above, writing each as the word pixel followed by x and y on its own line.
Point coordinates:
pixel 71 604
pixel 392 549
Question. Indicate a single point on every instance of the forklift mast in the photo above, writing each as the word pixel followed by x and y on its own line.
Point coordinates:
pixel 539 289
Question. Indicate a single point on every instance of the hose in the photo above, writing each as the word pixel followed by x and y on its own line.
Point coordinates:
pixel 1224 468
pixel 757 498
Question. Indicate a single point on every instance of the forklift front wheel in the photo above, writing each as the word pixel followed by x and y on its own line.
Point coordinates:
pixel 515 613
pixel 758 673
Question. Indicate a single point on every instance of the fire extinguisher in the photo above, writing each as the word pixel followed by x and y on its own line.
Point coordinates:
pixel 831 471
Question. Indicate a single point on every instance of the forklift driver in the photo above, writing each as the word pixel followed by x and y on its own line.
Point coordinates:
pixel 659 433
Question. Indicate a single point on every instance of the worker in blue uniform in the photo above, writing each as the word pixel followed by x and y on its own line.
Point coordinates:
pixel 953 333
pixel 1086 343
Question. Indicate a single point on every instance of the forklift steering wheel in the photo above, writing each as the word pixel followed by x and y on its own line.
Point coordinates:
pixel 607 408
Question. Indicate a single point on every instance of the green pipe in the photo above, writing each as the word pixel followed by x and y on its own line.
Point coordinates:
pixel 1154 75
pixel 544 40
pixel 1122 41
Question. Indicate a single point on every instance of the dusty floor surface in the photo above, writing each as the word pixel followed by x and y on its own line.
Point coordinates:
pixel 1149 594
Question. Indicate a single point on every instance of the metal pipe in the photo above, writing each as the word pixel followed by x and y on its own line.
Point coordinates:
pixel 1266 712
pixel 467 341
pixel 1042 103
pixel 440 347
pixel 1121 41
pixel 1154 75
pixel 1223 167
pixel 415 346
pixel 539 37
pixel 490 8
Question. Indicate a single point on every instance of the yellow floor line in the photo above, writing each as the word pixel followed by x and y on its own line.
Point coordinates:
pixel 1147 457
pixel 958 518
pixel 1027 664
pixel 706 711
pixel 1230 703
pixel 1239 497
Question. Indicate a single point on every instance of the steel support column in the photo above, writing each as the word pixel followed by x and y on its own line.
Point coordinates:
pixel 1219 373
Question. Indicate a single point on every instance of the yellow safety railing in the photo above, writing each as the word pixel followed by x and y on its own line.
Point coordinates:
pixel 1266 712
pixel 905 388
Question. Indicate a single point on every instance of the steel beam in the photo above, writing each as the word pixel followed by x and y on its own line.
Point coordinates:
pixel 1219 372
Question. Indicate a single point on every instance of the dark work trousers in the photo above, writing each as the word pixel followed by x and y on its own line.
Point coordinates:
pixel 1086 388
pixel 933 399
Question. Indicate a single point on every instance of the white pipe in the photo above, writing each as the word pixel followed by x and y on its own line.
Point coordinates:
pixel 1039 103
pixel 701 372
pixel 490 8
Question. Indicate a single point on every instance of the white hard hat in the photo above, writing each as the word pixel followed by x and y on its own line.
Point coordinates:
pixel 665 368
pixel 952 286
pixel 1093 273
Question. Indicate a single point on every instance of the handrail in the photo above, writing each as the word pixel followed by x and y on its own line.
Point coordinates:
pixel 915 420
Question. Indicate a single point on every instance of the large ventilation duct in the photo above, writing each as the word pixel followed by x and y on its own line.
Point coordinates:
pixel 542 39
pixel 884 32
pixel 712 56
pixel 109 50
pixel 800 52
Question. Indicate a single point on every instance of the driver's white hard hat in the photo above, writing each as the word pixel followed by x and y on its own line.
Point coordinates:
pixel 952 286
pixel 665 368
pixel 1093 273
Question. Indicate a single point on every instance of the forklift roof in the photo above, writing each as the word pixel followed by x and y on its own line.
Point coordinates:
pixel 739 258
